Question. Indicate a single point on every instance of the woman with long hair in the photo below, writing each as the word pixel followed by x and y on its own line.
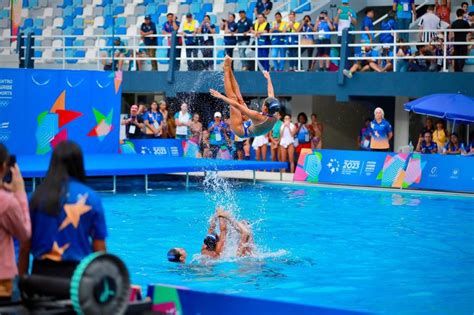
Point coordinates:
pixel 164 124
pixel 287 140
pixel 67 217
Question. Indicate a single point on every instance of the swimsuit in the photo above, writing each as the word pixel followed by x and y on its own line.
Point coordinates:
pixel 251 130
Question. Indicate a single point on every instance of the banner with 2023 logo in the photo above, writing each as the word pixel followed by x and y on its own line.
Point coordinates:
pixel 395 170
pixel 40 108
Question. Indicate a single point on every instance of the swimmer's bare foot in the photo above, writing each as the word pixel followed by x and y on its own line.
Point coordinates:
pixel 227 62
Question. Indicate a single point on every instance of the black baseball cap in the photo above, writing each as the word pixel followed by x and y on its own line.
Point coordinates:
pixel 189 15
pixel 147 17
pixel 324 12
pixel 242 11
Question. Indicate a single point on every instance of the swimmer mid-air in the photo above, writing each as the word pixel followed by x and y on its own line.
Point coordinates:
pixel 262 122
pixel 214 243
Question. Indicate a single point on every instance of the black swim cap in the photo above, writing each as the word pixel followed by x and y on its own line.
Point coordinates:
pixel 273 105
pixel 174 255
pixel 211 241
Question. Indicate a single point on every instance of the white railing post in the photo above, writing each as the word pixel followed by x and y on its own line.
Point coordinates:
pixel 395 51
pixel 98 59
pixel 64 53
pixel 445 49
pixel 135 62
pixel 214 53
pixel 299 51
pixel 256 54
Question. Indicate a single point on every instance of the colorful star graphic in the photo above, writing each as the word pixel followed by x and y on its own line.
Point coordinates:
pixel 48 134
pixel 56 252
pixel 74 212
pixel 104 125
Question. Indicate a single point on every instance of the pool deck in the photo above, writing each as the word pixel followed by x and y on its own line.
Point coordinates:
pixel 287 179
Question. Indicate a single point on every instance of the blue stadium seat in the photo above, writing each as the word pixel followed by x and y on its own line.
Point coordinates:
pixel 64 3
pixel 69 41
pixel 32 3
pixel 105 3
pixel 206 8
pixel 108 20
pixel 187 2
pixel 25 3
pixel 161 20
pixel 80 53
pixel 77 3
pixel 195 8
pixel 67 22
pixel 28 23
pixel 78 23
pixel 150 9
pixel 38 54
pixel 69 54
pixel 119 10
pixel 241 6
pixel 213 18
pixel 78 11
pixel 199 16
pixel 162 9
pixel 78 31
pixel 121 21
pixel 231 1
pixel 121 31
pixel 305 7
pixel 38 31
pixel 118 2
pixel 68 10
pixel 78 43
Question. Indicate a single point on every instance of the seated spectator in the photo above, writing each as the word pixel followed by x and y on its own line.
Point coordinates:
pixel 67 217
pixel 389 24
pixel 287 139
pixel 218 136
pixel 470 148
pixel 316 130
pixel 274 139
pixel 386 64
pixel 403 51
pixel 140 54
pixel 324 25
pixel 208 29
pixel 133 124
pixel 117 53
pixel 302 133
pixel 429 21
pixel 364 65
pixel 368 25
pixel 189 28
pixel 205 146
pixel 278 27
pixel 14 222
pixel 427 127
pixel 421 64
pixel 182 120
pixel 453 146
pixel 440 135
pixel 443 10
pixel 263 7
pixel 470 17
pixel 363 140
pixel 196 129
pixel 426 145
pixel 153 121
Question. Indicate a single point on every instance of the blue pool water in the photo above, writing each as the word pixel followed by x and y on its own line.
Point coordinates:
pixel 383 252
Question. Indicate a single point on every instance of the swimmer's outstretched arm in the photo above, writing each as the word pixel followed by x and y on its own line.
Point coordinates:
pixel 222 236
pixel 271 91
pixel 252 114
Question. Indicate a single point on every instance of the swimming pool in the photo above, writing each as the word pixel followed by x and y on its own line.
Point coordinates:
pixel 383 252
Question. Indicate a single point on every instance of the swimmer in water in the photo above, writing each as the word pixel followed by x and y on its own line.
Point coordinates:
pixel 246 243
pixel 213 243
pixel 177 254
pixel 261 123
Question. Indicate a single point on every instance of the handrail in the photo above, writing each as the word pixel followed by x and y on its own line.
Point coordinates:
pixel 297 8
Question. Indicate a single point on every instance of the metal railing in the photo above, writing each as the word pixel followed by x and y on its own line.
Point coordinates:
pixel 103 52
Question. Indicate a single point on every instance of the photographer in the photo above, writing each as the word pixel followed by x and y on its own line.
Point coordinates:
pixel 133 124
pixel 230 29
pixel 14 220
pixel 324 25
pixel 207 28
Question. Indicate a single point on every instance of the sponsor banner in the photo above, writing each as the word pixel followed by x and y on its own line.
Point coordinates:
pixel 159 147
pixel 40 108
pixel 395 170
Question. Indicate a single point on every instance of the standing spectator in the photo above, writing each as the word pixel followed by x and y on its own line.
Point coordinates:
pixel 386 64
pixel 405 11
pixel 363 140
pixel 443 10
pixel 368 25
pixel 148 33
pixel 302 133
pixel 218 135
pixel 274 139
pixel 278 27
pixel 324 25
pixel 189 28
pixel 182 120
pixel 244 27
pixel 196 129
pixel 287 148
pixel 440 135
pixel 426 145
pixel 380 132
pixel 316 129
pixel 205 146
pixel 260 28
pixel 153 121
pixel 14 222
pixel 292 40
pixel 459 50
pixel 67 216
pixel 429 21
pixel 453 147
pixel 307 40
pixel 143 115
pixel 260 144
pixel 346 17
pixel 172 25
pixel 230 29
pixel 164 124
pixel 133 124
pixel 389 24
pixel 207 28
pixel 427 127
pixel 465 8
pixel 263 7
pixel 366 64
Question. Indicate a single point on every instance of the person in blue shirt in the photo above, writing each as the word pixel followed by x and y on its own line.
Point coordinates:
pixel 386 64
pixel 307 40
pixel 323 26
pixel 380 132
pixel 389 24
pixel 172 25
pixel 363 140
pixel 368 25
pixel 278 27
pixel 147 31
pixel 366 64
pixel 207 29
pixel 426 145
pixel 260 28
pixel 405 9
pixel 230 30
pixel 263 7
pixel 218 135
pixel 453 146
pixel 244 26
pixel 153 121
pixel 67 216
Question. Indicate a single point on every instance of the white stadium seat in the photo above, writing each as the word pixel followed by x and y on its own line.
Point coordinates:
pixel 99 21
pixel 58 22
